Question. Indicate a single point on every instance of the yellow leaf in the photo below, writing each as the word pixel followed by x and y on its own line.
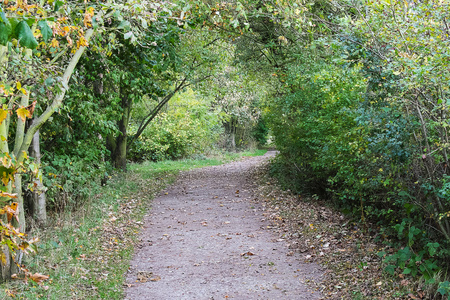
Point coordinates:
pixel 2 257
pixel 5 179
pixel 18 85
pixel 54 43
pixel 3 115
pixel 23 113
pixel 14 205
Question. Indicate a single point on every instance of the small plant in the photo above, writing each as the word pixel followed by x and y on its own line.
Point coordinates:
pixel 444 289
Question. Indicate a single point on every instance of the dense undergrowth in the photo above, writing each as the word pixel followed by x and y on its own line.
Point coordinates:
pixel 341 137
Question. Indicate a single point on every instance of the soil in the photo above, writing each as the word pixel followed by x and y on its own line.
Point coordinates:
pixel 207 237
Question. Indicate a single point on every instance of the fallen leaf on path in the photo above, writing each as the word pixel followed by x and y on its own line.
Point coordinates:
pixel 247 253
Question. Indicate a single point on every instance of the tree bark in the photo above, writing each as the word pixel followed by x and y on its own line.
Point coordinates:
pixel 230 131
pixel 39 198
pixel 20 133
pixel 120 146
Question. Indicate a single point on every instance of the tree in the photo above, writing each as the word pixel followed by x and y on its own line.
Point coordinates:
pixel 38 41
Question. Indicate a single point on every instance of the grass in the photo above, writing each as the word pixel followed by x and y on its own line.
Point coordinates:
pixel 86 253
pixel 151 169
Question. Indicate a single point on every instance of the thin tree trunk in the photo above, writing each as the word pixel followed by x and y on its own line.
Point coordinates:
pixel 6 265
pixel 120 151
pixel 20 133
pixel 39 198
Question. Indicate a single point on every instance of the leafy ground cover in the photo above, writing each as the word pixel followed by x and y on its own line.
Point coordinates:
pixel 348 250
pixel 86 253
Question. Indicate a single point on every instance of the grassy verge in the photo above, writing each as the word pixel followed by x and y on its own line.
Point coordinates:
pixel 86 253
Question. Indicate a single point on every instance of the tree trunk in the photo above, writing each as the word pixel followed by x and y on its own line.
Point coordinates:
pixel 6 271
pixel 20 133
pixel 230 131
pixel 119 151
pixel 233 140
pixel 39 198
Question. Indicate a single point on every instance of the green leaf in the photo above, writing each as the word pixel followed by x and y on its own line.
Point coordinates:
pixel 444 288
pixel 432 248
pixel 25 35
pixel 49 81
pixel 144 23
pixel 124 25
pixel 3 17
pixel 46 31
pixel 407 271
pixel 128 35
pixel 5 31
pixel 390 269
pixel 58 5
pixel 14 22
pixel 381 253
pixel 30 21
pixel 95 21
pixel 442 291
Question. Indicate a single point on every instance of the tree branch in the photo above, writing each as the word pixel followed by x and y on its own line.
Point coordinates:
pixel 57 101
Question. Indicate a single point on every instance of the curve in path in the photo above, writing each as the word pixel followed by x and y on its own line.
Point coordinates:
pixel 206 238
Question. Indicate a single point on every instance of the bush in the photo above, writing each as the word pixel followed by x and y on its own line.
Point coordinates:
pixel 169 137
pixel 341 134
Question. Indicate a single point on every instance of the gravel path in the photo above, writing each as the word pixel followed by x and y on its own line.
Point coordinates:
pixel 206 238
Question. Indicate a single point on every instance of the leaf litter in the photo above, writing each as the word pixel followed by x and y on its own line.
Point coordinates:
pixel 323 235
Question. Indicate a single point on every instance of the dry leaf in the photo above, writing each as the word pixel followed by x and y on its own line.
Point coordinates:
pixel 36 277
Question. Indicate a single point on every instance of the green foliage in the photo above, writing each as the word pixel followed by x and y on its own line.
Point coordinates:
pixel 444 289
pixel 187 127
pixel 260 132
pixel 360 115
pixel 170 138
pixel 70 179
pixel 314 124
pixel 25 36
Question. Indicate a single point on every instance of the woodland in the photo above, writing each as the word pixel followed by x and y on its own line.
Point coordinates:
pixel 353 94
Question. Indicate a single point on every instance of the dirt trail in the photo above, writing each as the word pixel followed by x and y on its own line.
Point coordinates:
pixel 206 238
